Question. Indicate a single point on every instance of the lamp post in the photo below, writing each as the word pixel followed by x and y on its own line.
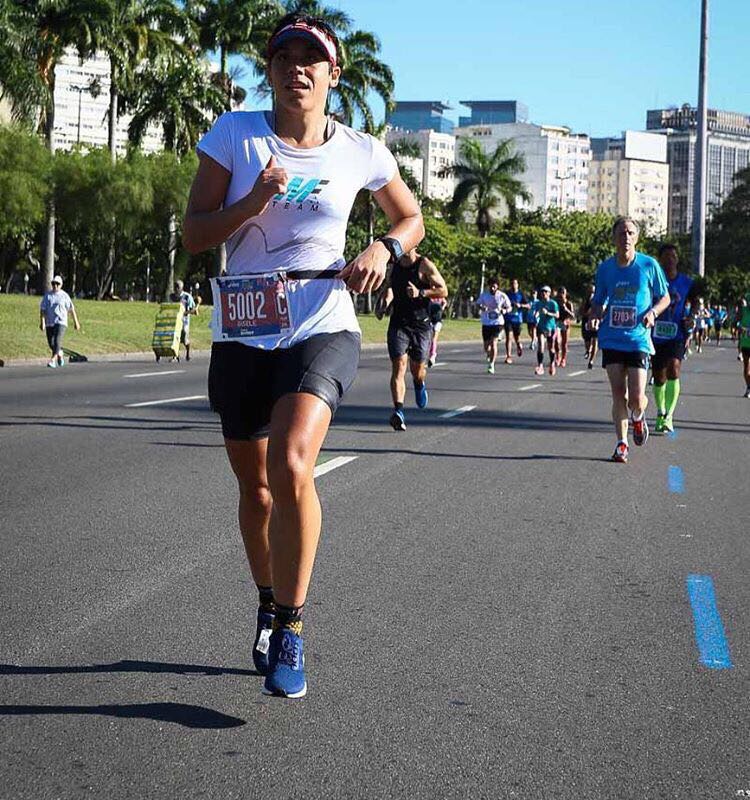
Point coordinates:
pixel 699 186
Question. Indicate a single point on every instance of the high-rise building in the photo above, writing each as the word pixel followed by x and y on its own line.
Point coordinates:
pixel 494 112
pixel 557 161
pixel 82 105
pixel 418 115
pixel 437 151
pixel 629 176
pixel 728 153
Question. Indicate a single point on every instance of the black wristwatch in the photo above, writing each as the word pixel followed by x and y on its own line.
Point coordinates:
pixel 393 246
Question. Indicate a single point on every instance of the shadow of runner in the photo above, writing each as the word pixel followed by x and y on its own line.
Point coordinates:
pixel 125 666
pixel 186 715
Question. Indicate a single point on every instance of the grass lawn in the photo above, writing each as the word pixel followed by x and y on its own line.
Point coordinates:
pixel 122 327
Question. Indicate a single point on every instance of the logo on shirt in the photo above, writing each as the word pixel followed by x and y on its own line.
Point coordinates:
pixel 301 189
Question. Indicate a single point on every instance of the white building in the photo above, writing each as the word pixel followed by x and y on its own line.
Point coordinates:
pixel 630 176
pixel 82 106
pixel 438 150
pixel 557 161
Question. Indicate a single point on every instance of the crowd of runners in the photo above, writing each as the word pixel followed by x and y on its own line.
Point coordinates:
pixel 277 187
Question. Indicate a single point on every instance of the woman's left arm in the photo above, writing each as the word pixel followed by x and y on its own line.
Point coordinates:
pixel 366 272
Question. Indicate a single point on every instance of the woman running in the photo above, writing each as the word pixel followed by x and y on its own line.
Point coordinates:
pixel 278 187
pixel 567 315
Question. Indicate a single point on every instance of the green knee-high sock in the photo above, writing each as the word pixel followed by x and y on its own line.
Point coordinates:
pixel 660 397
pixel 672 395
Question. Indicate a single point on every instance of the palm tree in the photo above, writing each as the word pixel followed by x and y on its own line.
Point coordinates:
pixel 36 35
pixel 140 30
pixel 487 181
pixel 184 100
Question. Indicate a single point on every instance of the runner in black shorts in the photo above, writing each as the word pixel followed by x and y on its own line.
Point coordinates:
pixel 414 282
pixel 278 187
pixel 589 327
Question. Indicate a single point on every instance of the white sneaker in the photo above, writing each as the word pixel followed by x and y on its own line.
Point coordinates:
pixel 52 364
pixel 491 368
pixel 747 392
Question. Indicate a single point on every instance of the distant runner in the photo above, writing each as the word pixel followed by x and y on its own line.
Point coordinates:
pixel 547 312
pixel 513 320
pixel 493 304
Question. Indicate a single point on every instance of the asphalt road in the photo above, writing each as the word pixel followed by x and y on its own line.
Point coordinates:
pixel 497 611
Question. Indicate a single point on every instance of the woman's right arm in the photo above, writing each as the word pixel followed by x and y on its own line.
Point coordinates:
pixel 207 223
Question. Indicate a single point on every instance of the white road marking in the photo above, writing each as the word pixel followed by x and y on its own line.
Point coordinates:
pixel 334 463
pixel 167 400
pixel 456 412
pixel 526 388
pixel 580 372
pixel 149 374
pixel 441 364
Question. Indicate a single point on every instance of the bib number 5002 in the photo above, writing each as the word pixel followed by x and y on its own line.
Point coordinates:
pixel 242 306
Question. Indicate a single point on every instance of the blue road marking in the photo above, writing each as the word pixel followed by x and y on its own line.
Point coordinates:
pixel 676 480
pixel 709 630
pixel 672 434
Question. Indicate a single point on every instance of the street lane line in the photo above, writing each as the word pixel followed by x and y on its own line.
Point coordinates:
pixel 149 374
pixel 526 388
pixel 709 630
pixel 334 463
pixel 579 372
pixel 456 412
pixel 167 400
pixel 441 364
pixel 676 480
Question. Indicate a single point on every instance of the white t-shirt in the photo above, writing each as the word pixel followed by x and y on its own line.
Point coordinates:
pixel 493 304
pixel 55 306
pixel 306 228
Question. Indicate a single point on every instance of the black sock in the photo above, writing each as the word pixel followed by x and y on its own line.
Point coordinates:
pixel 398 406
pixel 265 598
pixel 289 616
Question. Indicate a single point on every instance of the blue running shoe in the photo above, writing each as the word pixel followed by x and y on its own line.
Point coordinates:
pixel 397 420
pixel 420 394
pixel 286 676
pixel 262 642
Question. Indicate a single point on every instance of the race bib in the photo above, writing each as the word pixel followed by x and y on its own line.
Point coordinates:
pixel 665 330
pixel 623 317
pixel 251 305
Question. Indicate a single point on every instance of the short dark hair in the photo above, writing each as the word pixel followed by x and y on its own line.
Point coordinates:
pixel 668 246
pixel 493 279
pixel 313 22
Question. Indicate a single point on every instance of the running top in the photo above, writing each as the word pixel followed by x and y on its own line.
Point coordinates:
pixel 669 325
pixel 408 311
pixel 545 323
pixel 516 314
pixel 304 228
pixel 188 304
pixel 628 293
pixel 55 306
pixel 494 304
pixel 745 328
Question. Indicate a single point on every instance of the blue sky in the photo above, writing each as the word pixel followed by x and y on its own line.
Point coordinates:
pixel 594 66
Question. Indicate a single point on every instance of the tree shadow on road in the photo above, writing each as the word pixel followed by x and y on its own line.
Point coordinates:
pixel 189 716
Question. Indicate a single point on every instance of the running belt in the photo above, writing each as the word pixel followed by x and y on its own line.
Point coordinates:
pixel 312 274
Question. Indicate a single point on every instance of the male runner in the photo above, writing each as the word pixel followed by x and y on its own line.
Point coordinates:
pixel 589 327
pixel 669 335
pixel 744 337
pixel 413 284
pixel 548 312
pixel 631 292
pixel 514 318
pixel 436 311
pixel 493 304
pixel 531 320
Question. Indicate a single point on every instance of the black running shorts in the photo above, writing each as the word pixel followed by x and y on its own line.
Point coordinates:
pixel 666 352
pixel 414 340
pixel 630 359
pixel 512 326
pixel 490 332
pixel 244 382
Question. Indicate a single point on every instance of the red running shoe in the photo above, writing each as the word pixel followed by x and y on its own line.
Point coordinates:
pixel 621 453
pixel 640 431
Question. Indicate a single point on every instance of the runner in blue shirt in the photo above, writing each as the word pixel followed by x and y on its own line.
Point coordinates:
pixel 631 292
pixel 547 312
pixel 669 336
pixel 514 318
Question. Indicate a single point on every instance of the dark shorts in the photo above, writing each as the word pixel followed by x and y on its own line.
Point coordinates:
pixel 515 327
pixel 490 333
pixel 55 335
pixel 666 352
pixel 244 382
pixel 185 336
pixel 630 359
pixel 745 352
pixel 412 340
